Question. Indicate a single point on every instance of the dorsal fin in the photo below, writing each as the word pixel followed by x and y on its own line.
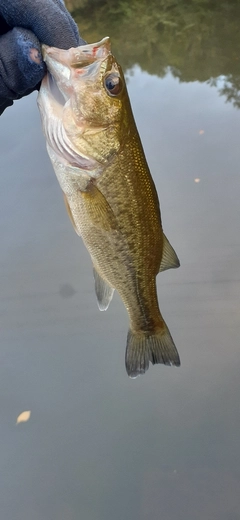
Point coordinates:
pixel 104 291
pixel 169 257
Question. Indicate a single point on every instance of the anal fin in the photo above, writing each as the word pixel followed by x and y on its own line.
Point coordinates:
pixel 104 291
pixel 169 257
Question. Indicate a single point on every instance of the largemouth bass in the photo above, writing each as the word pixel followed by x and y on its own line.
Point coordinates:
pixel 111 199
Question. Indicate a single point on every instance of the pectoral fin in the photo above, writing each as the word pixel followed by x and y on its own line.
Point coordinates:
pixel 104 291
pixel 98 209
pixel 169 257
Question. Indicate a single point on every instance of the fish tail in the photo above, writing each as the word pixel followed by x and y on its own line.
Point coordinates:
pixel 143 347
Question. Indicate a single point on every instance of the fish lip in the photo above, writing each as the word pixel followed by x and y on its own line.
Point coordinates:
pixel 77 55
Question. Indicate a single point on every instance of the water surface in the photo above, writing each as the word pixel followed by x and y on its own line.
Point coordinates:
pixel 98 445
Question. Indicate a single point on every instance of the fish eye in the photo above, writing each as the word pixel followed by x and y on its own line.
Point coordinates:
pixel 113 84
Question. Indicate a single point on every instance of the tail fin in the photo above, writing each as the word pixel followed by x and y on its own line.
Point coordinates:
pixel 143 347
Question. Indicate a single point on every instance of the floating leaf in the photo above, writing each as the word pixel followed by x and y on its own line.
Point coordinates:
pixel 24 416
pixel 196 180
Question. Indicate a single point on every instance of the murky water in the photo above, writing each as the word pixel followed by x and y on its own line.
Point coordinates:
pixel 99 446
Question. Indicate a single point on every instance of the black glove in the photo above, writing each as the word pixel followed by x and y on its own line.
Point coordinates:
pixel 24 24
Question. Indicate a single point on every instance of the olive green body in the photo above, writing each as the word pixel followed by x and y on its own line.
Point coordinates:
pixel 109 193
pixel 128 254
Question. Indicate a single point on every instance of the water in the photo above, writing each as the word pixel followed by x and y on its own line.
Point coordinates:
pixel 99 445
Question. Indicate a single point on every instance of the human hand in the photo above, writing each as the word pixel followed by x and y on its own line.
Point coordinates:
pixel 24 25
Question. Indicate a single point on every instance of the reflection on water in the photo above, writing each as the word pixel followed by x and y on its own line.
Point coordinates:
pixel 196 39
pixel 99 445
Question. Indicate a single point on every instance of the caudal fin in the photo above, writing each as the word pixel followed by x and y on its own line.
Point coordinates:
pixel 143 347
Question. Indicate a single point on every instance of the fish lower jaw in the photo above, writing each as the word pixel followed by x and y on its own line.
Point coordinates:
pixel 53 91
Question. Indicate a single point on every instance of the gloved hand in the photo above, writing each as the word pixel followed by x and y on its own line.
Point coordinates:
pixel 24 25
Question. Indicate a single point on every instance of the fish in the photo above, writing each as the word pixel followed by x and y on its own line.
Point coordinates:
pixel 110 196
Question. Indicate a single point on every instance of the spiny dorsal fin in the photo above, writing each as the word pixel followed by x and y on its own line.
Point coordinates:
pixel 103 291
pixel 169 257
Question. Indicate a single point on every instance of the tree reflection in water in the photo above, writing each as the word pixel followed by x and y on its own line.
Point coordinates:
pixel 197 39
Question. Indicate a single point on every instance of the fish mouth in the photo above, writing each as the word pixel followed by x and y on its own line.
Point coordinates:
pixel 63 65
pixel 54 90
pixel 65 71
pixel 75 56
